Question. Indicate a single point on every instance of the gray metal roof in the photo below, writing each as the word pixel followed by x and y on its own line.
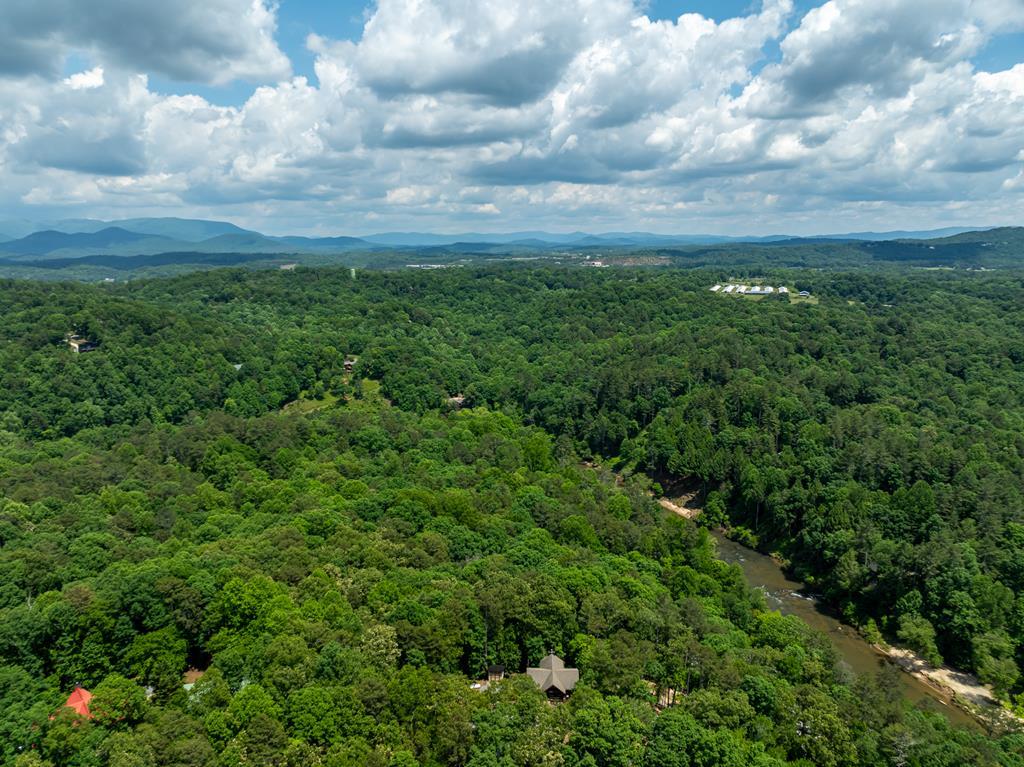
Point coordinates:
pixel 552 674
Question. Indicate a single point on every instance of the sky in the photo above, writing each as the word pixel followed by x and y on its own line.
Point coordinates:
pixel 675 116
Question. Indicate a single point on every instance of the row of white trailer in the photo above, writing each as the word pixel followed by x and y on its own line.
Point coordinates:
pixel 754 290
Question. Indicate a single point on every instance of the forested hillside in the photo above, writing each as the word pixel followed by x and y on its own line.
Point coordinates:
pixel 342 577
pixel 155 499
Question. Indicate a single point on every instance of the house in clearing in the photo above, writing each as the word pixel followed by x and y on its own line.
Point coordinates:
pixel 554 678
pixel 716 288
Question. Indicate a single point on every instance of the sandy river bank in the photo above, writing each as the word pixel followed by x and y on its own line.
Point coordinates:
pixel 948 686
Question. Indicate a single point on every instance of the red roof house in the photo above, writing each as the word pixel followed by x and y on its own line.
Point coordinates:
pixel 79 701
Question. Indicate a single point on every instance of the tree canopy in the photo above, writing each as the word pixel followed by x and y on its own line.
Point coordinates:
pixel 341 568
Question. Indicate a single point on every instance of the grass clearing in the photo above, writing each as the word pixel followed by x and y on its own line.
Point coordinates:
pixel 304 404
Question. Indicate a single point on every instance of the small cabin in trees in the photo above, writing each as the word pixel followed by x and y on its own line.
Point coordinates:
pixel 80 345
pixel 495 673
pixel 349 364
pixel 554 678
pixel 78 701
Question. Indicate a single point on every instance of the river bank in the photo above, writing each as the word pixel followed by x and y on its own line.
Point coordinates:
pixel 962 697
pixel 855 653
pixel 680 506
pixel 964 690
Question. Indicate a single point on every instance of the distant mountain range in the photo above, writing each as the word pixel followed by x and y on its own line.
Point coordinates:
pixel 24 241
pixel 183 229
pixel 130 238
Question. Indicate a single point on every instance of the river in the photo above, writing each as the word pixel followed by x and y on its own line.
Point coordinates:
pixel 786 596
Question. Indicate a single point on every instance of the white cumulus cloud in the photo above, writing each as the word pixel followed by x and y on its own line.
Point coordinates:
pixel 92 78
pixel 586 113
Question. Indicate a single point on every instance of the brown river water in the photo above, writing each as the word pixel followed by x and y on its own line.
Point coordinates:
pixel 787 597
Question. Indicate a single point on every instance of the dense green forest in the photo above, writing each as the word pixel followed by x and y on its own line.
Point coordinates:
pixel 343 575
pixel 337 571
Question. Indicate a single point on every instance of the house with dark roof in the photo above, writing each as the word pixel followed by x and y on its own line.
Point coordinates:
pixel 554 678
